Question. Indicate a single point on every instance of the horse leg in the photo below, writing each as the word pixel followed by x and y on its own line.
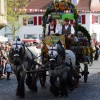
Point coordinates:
pixel 20 89
pixel 34 82
pixel 53 87
pixel 31 82
pixel 63 86
pixel 18 86
pixel 70 81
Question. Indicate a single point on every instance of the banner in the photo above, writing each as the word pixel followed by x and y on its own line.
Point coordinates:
pixel 68 15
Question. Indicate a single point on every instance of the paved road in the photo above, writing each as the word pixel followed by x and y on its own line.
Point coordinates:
pixel 85 91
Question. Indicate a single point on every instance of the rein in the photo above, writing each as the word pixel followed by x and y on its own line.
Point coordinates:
pixel 32 53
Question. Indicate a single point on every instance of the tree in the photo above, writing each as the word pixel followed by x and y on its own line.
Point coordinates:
pixel 14 9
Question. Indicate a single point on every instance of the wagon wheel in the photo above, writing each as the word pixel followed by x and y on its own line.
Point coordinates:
pixel 42 77
pixel 85 72
pixel 77 75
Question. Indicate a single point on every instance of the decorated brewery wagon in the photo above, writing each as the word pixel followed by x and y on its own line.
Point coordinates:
pixel 62 64
pixel 82 49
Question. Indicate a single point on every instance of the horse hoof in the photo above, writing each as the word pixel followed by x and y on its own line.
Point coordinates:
pixel 21 96
pixel 17 94
pixel 71 89
pixel 56 94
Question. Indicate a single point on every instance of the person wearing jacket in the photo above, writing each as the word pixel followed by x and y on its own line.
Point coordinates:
pixel 8 69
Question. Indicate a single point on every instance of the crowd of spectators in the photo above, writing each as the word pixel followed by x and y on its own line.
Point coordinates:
pixel 4 51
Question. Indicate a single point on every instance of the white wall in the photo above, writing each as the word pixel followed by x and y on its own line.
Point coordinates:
pixel 87 21
pixel 92 28
pixel 95 28
pixel 28 29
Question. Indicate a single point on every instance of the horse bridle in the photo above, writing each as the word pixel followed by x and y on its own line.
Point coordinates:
pixel 17 50
pixel 52 51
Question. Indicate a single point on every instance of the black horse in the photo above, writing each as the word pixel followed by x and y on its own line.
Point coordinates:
pixel 23 63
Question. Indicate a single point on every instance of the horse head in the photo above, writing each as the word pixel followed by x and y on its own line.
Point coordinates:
pixel 52 54
pixel 16 53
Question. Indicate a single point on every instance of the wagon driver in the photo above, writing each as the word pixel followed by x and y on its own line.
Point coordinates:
pixel 69 32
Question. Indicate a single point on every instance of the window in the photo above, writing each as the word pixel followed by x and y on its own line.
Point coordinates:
pixel 30 21
pixel 80 19
pixel 30 36
pixel 96 19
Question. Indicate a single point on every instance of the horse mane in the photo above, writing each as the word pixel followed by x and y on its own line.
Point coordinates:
pixel 61 50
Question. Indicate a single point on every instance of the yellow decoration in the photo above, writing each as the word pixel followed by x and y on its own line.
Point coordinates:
pixel 61 7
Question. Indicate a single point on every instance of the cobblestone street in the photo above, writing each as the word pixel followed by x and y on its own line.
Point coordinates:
pixel 85 91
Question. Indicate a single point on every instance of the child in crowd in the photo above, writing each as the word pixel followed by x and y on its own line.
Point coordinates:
pixel 8 69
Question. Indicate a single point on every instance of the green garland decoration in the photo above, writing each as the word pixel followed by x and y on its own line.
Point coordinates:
pixel 84 31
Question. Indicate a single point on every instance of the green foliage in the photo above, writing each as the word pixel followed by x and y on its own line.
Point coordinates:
pixel 84 31
pixel 13 12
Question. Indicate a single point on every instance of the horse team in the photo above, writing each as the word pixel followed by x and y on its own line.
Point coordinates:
pixel 61 66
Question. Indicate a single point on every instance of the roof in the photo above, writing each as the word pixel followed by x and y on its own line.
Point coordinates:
pixel 39 4
pixel 95 5
pixel 89 5
pixel 83 5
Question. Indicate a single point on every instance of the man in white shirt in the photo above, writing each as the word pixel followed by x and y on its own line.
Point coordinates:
pixel 68 30
pixel 51 27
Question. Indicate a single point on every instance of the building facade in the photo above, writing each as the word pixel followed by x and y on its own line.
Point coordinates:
pixel 89 11
pixel 31 22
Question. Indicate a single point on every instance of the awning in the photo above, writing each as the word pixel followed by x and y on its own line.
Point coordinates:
pixel 3 39
pixel 31 40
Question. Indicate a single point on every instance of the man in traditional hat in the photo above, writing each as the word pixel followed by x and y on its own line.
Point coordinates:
pixel 67 28
pixel 51 27
pixel 69 31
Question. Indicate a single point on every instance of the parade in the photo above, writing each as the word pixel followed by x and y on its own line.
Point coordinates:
pixel 60 61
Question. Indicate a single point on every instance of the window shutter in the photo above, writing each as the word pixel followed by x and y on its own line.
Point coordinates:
pixel 35 20
pixel 99 19
pixel 93 19
pixel 83 19
pixel 71 21
pixel 40 20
